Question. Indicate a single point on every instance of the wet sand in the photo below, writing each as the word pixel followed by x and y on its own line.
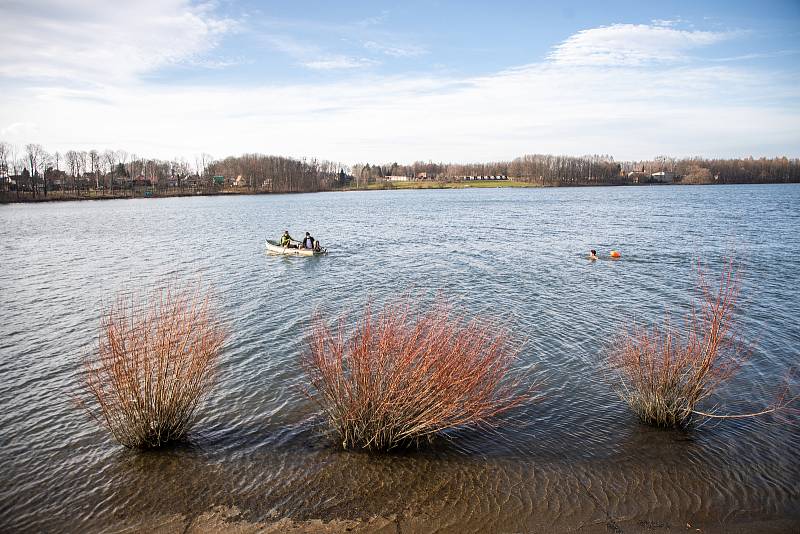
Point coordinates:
pixel 231 520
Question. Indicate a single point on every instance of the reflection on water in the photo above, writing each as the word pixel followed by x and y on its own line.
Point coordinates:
pixel 576 457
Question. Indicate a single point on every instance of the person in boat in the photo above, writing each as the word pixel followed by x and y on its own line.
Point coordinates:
pixel 317 246
pixel 593 254
pixel 286 240
pixel 308 241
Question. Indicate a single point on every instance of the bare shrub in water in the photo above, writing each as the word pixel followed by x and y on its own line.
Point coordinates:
pixel 664 373
pixel 401 376
pixel 155 361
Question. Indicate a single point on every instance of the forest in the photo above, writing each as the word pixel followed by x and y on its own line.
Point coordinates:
pixel 31 170
pixel 550 170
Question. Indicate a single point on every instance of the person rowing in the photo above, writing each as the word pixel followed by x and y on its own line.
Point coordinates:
pixel 286 240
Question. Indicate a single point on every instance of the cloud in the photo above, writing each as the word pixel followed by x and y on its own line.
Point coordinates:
pixel 715 111
pixel 315 58
pixel 299 39
pixel 20 131
pixel 217 63
pixel 667 22
pixel 102 42
pixel 340 62
pixel 631 111
pixel 631 45
pixel 758 55
pixel 373 21
pixel 394 50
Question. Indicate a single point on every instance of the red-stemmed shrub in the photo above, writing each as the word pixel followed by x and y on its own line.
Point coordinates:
pixel 665 372
pixel 401 375
pixel 155 360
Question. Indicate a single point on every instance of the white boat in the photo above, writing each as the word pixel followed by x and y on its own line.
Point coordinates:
pixel 273 247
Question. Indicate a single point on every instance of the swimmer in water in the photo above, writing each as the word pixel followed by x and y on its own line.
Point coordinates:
pixel 593 254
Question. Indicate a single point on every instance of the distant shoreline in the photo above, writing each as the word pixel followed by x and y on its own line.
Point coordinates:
pixel 10 197
pixel 58 196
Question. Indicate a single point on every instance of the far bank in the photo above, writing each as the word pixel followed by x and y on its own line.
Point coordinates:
pixel 14 197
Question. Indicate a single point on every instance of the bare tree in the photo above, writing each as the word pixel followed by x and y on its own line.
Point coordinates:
pixel 34 153
pixel 122 159
pixel 94 161
pixel 17 162
pixel 110 161
pixel 73 165
pixel 205 160
pixel 45 164
pixel 5 154
pixel 134 167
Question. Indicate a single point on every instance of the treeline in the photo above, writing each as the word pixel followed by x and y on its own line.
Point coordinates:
pixel 546 169
pixel 725 171
pixel 537 168
pixel 277 174
pixel 32 170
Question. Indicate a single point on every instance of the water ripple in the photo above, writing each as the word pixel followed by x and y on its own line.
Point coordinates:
pixel 575 458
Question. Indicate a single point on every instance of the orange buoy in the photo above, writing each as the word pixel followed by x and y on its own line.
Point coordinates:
pixel 615 254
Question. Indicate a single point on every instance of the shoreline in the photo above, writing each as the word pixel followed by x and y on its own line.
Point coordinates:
pixel 223 519
pixel 58 196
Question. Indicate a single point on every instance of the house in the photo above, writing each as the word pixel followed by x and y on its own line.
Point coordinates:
pixel 23 181
pixel 15 182
pixel 141 181
pixel 663 177
pixel 240 181
pixel 397 178
pixel 482 177
pixel 55 178
pixel 193 180
pixel 637 177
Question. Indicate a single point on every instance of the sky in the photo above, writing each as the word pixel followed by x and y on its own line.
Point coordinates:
pixel 376 81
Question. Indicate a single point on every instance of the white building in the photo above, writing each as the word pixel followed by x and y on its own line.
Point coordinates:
pixel 663 177
pixel 497 177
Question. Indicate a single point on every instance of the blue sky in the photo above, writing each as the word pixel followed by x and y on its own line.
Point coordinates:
pixel 390 81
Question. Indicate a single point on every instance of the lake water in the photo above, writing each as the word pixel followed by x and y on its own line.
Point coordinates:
pixel 577 458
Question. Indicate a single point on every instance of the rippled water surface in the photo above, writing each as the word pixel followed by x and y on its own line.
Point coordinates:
pixel 577 457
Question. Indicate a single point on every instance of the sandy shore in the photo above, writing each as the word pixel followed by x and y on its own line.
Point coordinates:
pixel 231 520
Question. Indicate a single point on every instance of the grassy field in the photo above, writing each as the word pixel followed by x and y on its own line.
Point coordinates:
pixel 427 184
pixel 13 196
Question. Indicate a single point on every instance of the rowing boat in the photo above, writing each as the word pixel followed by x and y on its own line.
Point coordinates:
pixel 273 247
